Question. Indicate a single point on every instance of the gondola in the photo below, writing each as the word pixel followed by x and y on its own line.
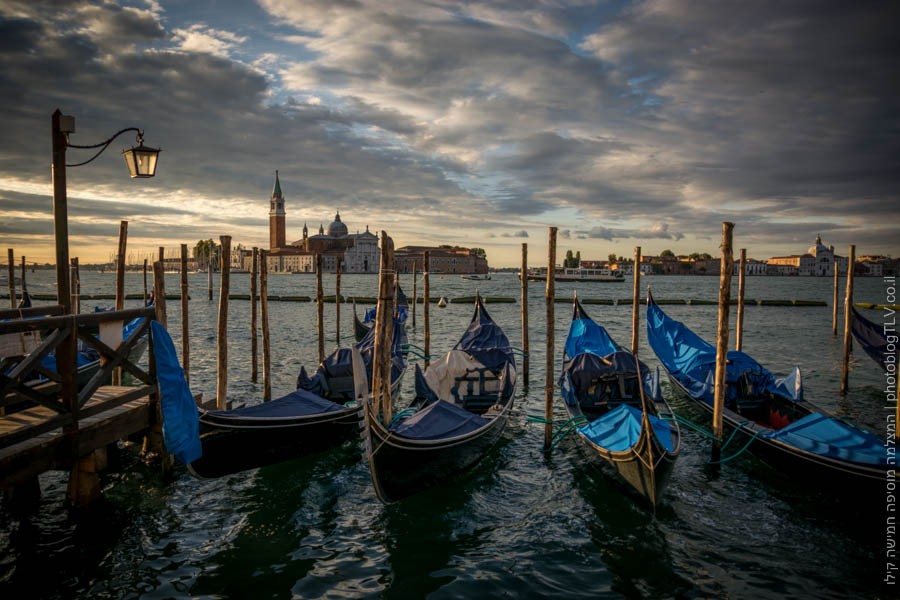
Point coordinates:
pixel 461 407
pixel 871 337
pixel 615 410
pixel 320 414
pixel 792 435
pixel 362 327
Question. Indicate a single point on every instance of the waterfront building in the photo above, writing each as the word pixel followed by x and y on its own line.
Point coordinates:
pixel 444 259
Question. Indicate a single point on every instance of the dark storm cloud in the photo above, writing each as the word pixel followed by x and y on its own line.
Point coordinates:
pixel 654 119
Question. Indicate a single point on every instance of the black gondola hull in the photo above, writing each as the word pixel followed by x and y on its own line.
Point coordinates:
pixel 229 450
pixel 854 479
pixel 401 467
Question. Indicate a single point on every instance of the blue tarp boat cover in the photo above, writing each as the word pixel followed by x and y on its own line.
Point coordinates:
pixel 181 421
pixel 585 369
pixel 827 436
pixel 439 420
pixel 486 342
pixel 619 429
pixel 871 337
pixel 585 335
pixel 692 361
pixel 298 403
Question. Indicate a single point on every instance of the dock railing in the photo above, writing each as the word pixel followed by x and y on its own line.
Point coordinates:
pixel 24 381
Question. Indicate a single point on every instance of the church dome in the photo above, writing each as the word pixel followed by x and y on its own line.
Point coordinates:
pixel 337 228
pixel 819 247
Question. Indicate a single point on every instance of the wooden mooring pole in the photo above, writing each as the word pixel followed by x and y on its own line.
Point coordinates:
pixel 11 260
pixel 415 295
pixel 76 286
pixel 848 322
pixel 739 325
pixel 549 296
pixel 320 309
pixel 222 332
pixel 120 285
pixel 24 281
pixel 264 318
pixel 159 293
pixel 426 310
pixel 145 282
pixel 209 286
pixel 636 302
pixel 153 441
pixel 162 257
pixel 722 336
pixel 381 371
pixel 337 302
pixel 185 323
pixel 834 302
pixel 254 264
pixel 526 359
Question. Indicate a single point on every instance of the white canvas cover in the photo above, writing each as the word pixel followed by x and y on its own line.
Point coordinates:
pixel 441 374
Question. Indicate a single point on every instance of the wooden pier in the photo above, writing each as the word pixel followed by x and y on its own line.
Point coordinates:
pixel 64 419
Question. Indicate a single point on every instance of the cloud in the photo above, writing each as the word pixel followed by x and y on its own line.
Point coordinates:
pixel 657 231
pixel 200 38
pixel 516 234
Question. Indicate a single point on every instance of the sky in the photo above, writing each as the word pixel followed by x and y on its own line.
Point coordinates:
pixel 479 124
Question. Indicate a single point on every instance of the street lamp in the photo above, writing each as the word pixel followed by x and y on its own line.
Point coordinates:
pixel 140 160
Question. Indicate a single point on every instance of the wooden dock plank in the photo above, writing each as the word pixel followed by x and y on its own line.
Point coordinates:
pixel 126 415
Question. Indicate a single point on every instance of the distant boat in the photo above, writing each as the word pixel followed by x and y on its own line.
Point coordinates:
pixel 477 277
pixel 580 274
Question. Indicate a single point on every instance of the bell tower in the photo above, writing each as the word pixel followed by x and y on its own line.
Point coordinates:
pixel 276 217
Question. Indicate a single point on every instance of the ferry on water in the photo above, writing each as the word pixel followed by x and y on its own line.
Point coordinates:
pixel 579 274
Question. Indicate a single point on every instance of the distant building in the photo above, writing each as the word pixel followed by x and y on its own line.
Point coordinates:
pixel 357 253
pixel 819 261
pixel 443 259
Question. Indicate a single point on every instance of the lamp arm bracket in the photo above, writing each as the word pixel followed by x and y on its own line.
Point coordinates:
pixel 103 145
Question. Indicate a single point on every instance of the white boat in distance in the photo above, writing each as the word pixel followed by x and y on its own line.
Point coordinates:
pixel 603 275
pixel 476 277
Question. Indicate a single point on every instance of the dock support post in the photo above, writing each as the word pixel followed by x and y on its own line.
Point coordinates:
pixel 264 317
pixel 254 350
pixel 739 326
pixel 848 322
pixel 222 334
pixel 153 441
pixel 84 481
pixel 722 336
pixel 415 295
pixel 550 297
pixel 185 322
pixel 426 301
pixel 525 344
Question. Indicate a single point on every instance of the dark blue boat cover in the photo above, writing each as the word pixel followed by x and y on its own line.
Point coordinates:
pixel 439 421
pixel 485 341
pixel 586 368
pixel 585 335
pixel 692 361
pixel 339 363
pixel 620 429
pixel 827 436
pixel 871 337
pixel 181 424
pixel 298 403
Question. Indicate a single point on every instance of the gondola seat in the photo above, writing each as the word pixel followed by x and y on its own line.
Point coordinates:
pixel 477 390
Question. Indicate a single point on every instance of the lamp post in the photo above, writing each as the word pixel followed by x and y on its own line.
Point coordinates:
pixel 140 160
